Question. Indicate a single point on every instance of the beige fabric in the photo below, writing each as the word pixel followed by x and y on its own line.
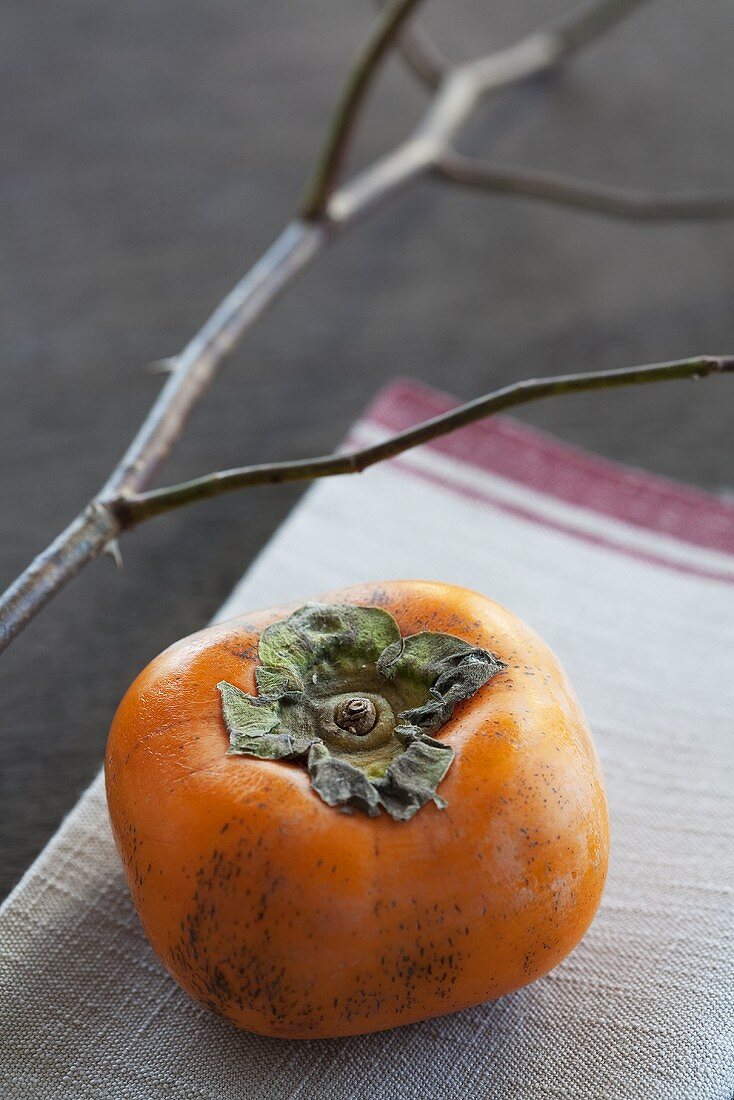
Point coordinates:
pixel 644 1008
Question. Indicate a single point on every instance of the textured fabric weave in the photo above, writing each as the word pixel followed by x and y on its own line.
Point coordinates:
pixel 631 581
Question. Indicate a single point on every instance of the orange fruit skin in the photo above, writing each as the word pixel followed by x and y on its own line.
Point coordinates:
pixel 293 919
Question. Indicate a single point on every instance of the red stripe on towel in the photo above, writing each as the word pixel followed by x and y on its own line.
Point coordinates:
pixel 518 453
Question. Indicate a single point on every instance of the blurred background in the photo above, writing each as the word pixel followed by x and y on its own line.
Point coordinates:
pixel 152 150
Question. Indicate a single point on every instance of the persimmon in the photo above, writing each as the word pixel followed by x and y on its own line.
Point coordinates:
pixel 364 811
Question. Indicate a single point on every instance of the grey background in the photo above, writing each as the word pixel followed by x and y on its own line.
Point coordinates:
pixel 151 150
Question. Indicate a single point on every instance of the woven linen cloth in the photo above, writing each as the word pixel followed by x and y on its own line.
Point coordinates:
pixel 631 580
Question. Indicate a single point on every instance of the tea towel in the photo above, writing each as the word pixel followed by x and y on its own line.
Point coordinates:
pixel 631 580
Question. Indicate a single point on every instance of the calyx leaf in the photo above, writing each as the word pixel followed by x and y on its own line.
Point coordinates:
pixel 254 726
pixel 323 654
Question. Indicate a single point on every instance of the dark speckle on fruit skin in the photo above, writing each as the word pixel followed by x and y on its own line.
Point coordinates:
pixel 242 653
pixel 235 968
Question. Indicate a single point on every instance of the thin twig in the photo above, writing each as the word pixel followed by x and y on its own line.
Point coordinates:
pixel 390 20
pixel 134 509
pixel 617 202
pixel 420 53
pixel 582 27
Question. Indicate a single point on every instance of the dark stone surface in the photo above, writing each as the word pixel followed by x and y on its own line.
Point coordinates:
pixel 152 149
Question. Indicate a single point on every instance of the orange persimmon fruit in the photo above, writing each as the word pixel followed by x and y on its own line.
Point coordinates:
pixel 358 813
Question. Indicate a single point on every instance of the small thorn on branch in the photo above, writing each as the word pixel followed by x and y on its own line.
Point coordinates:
pixel 112 550
pixel 163 366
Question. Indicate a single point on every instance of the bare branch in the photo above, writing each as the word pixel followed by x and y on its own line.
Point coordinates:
pixel 134 509
pixel 584 26
pixel 96 528
pixel 616 202
pixel 198 362
pixel 83 540
pixel 358 82
pixel 193 370
pixel 457 93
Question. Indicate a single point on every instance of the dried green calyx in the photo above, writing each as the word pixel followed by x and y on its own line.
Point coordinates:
pixel 342 690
